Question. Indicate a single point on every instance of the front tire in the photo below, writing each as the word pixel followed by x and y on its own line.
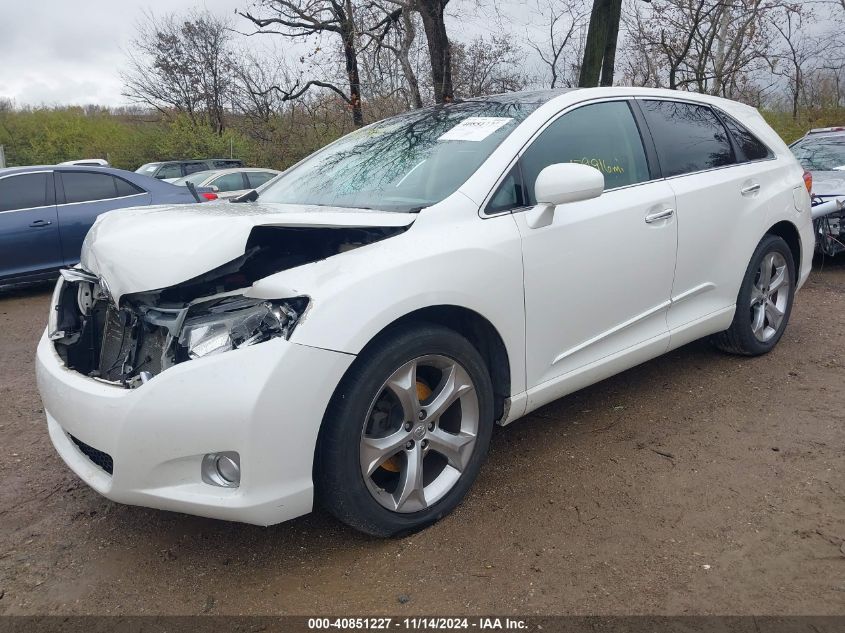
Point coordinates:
pixel 406 432
pixel 764 302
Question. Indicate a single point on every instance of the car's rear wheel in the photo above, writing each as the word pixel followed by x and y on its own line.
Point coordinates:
pixel 764 302
pixel 406 432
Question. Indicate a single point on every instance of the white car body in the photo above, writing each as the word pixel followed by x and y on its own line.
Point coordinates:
pixel 575 297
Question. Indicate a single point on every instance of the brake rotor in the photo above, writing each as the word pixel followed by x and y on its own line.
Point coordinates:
pixel 423 393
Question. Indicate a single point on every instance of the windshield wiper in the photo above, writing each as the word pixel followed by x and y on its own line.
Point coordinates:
pixel 249 196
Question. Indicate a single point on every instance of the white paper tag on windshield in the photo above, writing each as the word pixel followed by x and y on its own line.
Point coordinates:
pixel 475 128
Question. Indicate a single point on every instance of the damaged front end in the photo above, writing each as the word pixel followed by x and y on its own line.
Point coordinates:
pixel 136 335
pixel 130 344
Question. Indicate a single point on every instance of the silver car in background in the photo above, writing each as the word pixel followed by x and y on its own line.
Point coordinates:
pixel 822 153
pixel 229 183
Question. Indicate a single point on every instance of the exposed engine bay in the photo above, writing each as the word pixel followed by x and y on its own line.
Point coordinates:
pixel 150 331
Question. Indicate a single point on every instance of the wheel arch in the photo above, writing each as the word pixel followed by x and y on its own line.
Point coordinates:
pixel 789 233
pixel 478 330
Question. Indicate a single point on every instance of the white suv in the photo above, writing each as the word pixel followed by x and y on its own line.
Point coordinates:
pixel 354 334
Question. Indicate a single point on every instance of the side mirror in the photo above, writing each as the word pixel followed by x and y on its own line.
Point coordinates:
pixel 562 183
pixel 215 188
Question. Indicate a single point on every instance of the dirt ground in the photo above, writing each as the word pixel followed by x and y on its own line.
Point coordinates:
pixel 697 483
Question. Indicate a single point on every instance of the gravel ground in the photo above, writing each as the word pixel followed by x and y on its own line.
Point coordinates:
pixel 697 483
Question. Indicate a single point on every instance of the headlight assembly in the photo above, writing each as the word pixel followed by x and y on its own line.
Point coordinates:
pixel 237 322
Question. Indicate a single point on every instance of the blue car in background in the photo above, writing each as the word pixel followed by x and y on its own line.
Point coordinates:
pixel 46 211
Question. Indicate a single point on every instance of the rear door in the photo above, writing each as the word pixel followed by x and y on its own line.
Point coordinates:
pixel 29 230
pixel 721 206
pixel 85 195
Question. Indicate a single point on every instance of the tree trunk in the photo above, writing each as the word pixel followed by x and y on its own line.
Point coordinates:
pixel 350 53
pixel 405 62
pixel 613 19
pixel 594 47
pixel 439 48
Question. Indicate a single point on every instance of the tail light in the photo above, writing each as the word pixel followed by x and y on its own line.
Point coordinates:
pixel 808 181
pixel 213 196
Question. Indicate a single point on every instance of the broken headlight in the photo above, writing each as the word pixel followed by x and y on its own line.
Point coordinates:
pixel 237 322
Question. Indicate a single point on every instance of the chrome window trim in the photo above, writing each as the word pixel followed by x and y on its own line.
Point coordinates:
pixel 69 204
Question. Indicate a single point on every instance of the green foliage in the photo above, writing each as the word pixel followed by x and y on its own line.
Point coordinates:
pixel 45 136
pixel 792 129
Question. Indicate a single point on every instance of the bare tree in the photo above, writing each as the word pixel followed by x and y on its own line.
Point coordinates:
pixel 563 18
pixel 800 50
pixel 181 63
pixel 485 67
pixel 396 33
pixel 304 18
pixel 600 47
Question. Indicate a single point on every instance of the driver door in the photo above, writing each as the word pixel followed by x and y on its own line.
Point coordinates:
pixel 598 278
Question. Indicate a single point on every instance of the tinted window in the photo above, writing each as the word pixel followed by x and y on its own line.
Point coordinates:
pixel 192 168
pixel 173 170
pixel 825 153
pixel 750 147
pixel 258 178
pixel 23 192
pixel 603 135
pixel 126 188
pixel 229 182
pixel 689 137
pixel 85 187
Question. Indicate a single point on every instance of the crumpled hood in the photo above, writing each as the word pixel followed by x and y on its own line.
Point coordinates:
pixel 147 248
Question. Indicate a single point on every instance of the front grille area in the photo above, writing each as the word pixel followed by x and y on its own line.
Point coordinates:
pixel 103 460
pixel 129 348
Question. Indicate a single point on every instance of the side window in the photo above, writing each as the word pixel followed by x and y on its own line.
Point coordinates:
pixel 229 182
pixel 171 170
pixel 126 188
pixel 688 137
pixel 509 195
pixel 192 168
pixel 26 191
pixel 750 147
pixel 82 186
pixel 258 178
pixel 602 135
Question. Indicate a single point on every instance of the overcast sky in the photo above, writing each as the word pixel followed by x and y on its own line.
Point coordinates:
pixel 71 52
pixel 56 51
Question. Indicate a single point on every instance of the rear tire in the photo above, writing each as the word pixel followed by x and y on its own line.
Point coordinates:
pixel 406 432
pixel 764 302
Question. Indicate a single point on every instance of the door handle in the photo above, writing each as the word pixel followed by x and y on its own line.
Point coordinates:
pixel 660 215
pixel 750 190
pixel 38 223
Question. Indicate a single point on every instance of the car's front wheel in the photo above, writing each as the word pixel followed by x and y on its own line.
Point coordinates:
pixel 764 302
pixel 406 432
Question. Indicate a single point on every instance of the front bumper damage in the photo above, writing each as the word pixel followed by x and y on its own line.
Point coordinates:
pixel 265 402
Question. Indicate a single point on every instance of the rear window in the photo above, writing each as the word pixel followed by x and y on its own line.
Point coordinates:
pixel 126 188
pixel 26 191
pixel 689 137
pixel 750 147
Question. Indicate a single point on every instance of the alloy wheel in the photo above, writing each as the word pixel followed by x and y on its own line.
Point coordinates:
pixel 419 433
pixel 769 296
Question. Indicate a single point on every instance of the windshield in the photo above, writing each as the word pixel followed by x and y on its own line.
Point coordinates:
pixel 821 154
pixel 403 163
pixel 147 169
pixel 194 179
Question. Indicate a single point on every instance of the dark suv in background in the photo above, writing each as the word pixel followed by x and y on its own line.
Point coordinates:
pixel 173 169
